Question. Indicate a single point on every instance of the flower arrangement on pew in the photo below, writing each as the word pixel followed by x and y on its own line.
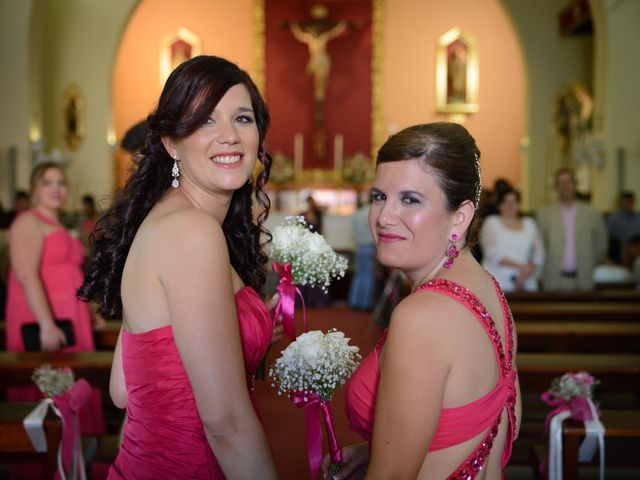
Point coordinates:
pixel 301 257
pixel 65 396
pixel 309 371
pixel 571 396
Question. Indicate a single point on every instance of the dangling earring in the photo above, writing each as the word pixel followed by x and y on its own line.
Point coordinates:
pixel 452 251
pixel 175 173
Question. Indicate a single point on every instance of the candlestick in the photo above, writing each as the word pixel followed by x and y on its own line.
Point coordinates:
pixel 338 147
pixel 298 146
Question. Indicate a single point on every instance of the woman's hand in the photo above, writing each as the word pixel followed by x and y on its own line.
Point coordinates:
pixel 52 338
pixel 277 332
pixel 355 459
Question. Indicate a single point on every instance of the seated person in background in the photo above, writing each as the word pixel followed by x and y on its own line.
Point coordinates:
pixel 511 244
pixel 622 225
pixel 20 204
pixel 90 216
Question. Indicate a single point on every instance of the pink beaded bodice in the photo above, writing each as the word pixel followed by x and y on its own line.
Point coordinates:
pixel 471 467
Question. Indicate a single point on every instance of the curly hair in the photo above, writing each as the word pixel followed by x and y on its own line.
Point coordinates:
pixel 189 96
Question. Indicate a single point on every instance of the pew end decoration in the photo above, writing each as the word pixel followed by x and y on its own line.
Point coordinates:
pixel 309 371
pixel 301 257
pixel 571 396
pixel 65 396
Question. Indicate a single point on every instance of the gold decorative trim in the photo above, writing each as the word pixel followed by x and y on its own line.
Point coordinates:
pixel 377 78
pixel 463 97
pixel 167 61
pixel 259 44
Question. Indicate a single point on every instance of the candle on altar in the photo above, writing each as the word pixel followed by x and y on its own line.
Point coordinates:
pixel 338 147
pixel 298 145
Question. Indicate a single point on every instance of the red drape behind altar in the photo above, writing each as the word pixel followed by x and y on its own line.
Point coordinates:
pixel 289 90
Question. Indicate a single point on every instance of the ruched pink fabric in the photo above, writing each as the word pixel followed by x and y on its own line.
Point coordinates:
pixel 459 424
pixel 164 437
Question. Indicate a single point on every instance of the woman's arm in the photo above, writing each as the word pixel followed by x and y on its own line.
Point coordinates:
pixel 117 387
pixel 26 241
pixel 198 285
pixel 413 372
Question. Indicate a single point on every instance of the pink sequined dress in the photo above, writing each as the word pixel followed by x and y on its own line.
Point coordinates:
pixel 456 425
pixel 164 437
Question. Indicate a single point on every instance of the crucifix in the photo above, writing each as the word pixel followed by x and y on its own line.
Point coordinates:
pixel 316 33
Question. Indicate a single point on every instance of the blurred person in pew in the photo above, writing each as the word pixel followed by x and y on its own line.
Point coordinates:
pixel 511 244
pixel 439 396
pixel 622 224
pixel 178 257
pixel 574 236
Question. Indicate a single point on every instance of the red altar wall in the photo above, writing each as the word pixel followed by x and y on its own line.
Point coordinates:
pixel 289 90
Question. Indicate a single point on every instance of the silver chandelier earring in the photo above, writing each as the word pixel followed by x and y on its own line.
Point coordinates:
pixel 175 173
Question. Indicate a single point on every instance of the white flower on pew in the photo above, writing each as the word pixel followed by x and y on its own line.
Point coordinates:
pixel 53 381
pixel 573 385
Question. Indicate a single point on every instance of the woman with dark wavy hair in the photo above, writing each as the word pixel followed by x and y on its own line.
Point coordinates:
pixel 178 256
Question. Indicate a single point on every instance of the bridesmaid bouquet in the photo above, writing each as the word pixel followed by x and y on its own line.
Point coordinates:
pixel 309 371
pixel 301 257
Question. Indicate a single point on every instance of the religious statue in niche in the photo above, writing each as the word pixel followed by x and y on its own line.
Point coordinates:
pixel 456 73
pixel 572 116
pixel 73 111
pixel 177 48
pixel 316 33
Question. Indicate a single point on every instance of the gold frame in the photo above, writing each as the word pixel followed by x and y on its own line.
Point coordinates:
pixel 378 137
pixel 73 114
pixel 470 102
pixel 165 50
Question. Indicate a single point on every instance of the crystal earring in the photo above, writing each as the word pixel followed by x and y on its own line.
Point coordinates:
pixel 175 173
pixel 452 251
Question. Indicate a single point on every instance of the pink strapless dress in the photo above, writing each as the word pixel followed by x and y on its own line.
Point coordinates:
pixel 61 275
pixel 164 437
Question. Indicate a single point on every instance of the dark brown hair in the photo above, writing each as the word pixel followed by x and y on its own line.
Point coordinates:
pixel 448 150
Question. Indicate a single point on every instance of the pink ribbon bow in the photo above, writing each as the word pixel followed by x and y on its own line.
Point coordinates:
pixel 69 404
pixel 314 406
pixel 578 406
pixel 287 303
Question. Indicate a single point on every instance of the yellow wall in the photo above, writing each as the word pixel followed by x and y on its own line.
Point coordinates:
pixel 224 27
pixel 412 29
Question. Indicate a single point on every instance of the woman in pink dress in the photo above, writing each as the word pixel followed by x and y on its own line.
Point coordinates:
pixel 46 270
pixel 178 256
pixel 438 397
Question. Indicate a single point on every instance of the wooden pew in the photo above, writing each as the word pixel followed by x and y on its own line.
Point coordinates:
pixel 595 296
pixel 15 445
pixel 617 372
pixel 578 337
pixel 620 427
pixel 575 311
pixel 16 368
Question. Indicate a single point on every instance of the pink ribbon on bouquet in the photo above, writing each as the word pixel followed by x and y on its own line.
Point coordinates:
pixel 579 409
pixel 287 303
pixel 578 406
pixel 314 407
pixel 69 404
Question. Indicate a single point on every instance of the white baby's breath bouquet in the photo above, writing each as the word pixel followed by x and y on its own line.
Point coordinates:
pixel 309 371
pixel 313 261
pixel 572 385
pixel 316 363
pixel 53 381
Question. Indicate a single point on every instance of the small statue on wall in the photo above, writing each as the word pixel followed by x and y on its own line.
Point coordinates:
pixel 73 110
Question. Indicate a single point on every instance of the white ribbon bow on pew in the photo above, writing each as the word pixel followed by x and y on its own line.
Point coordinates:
pixel 594 438
pixel 66 407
